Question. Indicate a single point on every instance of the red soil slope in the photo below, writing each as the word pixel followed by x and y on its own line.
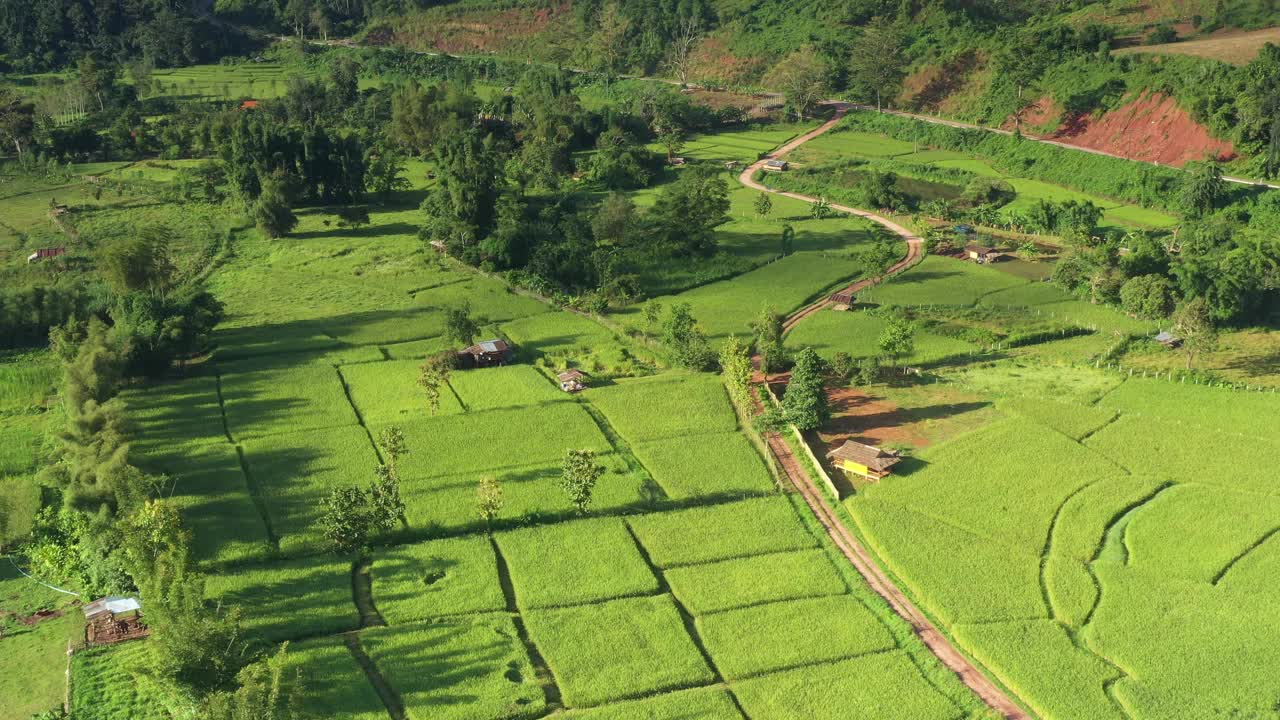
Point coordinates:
pixel 1151 128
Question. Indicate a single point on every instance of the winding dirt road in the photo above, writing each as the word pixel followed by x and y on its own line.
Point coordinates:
pixel 850 547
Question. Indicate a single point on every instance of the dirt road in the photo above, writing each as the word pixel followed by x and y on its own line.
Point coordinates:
pixel 850 547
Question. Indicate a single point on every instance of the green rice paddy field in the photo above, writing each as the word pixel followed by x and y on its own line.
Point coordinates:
pixel 1096 542
pixel 651 606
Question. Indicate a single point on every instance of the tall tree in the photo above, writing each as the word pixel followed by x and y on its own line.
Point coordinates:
pixel 877 62
pixel 271 211
pixel 683 42
pixel 766 330
pixel 346 520
pixel 1193 324
pixel 688 211
pixel 805 403
pixel 1202 187
pixel 897 339
pixel 459 327
pixel 489 499
pixel 578 477
pixel 763 205
pixel 735 365
pixel 685 340
pixel 432 376
pixel 802 79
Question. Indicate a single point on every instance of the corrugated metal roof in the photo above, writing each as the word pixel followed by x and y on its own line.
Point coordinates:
pixel 113 604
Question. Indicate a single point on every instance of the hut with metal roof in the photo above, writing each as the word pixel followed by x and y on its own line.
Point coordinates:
pixel 485 353
pixel 113 619
pixel 572 380
pixel 776 166
pixel 868 461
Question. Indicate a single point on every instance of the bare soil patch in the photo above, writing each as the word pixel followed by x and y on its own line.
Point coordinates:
pixel 1151 128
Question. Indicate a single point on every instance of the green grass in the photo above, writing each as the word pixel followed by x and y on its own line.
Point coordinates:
pixel 298 398
pixel 575 563
pixel 19 451
pixel 756 640
pixel 557 334
pixel 21 497
pixel 332 683
pixel 290 599
pixel 388 392
pixel 846 143
pixel 617 650
pixel 1216 409
pixel 296 471
pixel 530 494
pixel 497 439
pixel 712 465
pixel 114 682
pixel 722 532
pixel 33 656
pixel 511 386
pixel 701 703
pixel 1074 421
pixel 939 280
pixel 457 669
pixel 858 333
pixel 26 379
pixel 1038 660
pixel 714 587
pixel 886 686
pixel 432 579
pixel 666 406
pixel 1182 452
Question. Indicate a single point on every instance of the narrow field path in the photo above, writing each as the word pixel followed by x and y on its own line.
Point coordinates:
pixel 849 546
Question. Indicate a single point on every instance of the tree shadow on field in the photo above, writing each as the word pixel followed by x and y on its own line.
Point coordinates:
pixel 311 603
pixel 371 230
pixel 429 677
pixel 429 575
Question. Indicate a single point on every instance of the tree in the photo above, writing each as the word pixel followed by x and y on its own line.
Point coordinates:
pixel 141 262
pixel 17 121
pixel 578 477
pixel 489 499
pixel 459 327
pixel 801 77
pixel 652 313
pixel 433 375
pixel 671 138
pixel 271 212
pixel 386 507
pixel 462 208
pixel 1193 324
pixel 766 332
pixel 1147 296
pixel 686 341
pixel 788 240
pixel 868 370
pixel 805 403
pixel 1202 187
pixel 384 172
pixel 351 217
pixel 264 692
pixel 842 367
pixel 346 520
pixel 688 211
pixel 763 205
pixel 877 63
pixel 97 79
pixel 393 445
pixel 608 45
pixel 682 44
pixel 619 161
pixel 898 338
pixel 820 209
pixel 141 72
pixel 614 220
pixel 735 364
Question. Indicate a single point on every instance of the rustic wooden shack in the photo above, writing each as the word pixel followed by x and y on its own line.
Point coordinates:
pixel 486 353
pixel 45 254
pixel 868 461
pixel 842 300
pixel 982 254
pixel 776 166
pixel 572 380
pixel 113 619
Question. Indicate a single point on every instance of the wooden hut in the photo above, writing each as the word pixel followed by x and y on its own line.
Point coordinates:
pixel 113 619
pixel 775 166
pixel 981 254
pixel 45 254
pixel 485 353
pixel 572 380
pixel 868 461
pixel 842 300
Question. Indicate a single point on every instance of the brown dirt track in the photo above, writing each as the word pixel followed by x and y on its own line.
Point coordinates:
pixel 850 547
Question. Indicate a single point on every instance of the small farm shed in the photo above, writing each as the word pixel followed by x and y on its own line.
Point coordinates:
pixel 981 253
pixel 677 161
pixel 113 619
pixel 870 462
pixel 776 166
pixel 249 105
pixel 842 300
pixel 45 253
pixel 485 353
pixel 572 380
pixel 1168 339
